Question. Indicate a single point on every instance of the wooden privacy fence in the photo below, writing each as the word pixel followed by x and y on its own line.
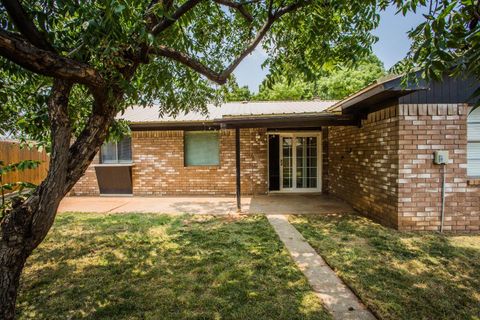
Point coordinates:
pixel 10 152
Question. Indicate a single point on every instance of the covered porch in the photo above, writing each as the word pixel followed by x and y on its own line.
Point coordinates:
pixel 261 204
pixel 283 157
pixel 293 164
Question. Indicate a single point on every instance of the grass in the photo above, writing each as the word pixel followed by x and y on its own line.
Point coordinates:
pixel 400 275
pixel 142 266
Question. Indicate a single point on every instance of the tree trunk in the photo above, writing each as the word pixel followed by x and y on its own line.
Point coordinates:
pixel 26 226
pixel 12 260
pixel 19 238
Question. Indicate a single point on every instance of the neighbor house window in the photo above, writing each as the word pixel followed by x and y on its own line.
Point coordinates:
pixel 473 148
pixel 117 151
pixel 202 148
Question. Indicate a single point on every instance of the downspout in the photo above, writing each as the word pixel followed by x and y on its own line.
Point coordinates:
pixel 237 171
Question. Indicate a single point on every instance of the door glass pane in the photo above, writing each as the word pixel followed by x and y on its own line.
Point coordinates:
pixel 306 156
pixel 287 157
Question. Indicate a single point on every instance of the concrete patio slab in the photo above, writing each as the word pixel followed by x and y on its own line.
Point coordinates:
pixel 288 203
pixel 264 204
pixel 335 295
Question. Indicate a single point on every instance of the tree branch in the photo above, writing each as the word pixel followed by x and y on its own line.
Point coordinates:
pixel 151 18
pixel 188 61
pixel 237 6
pixel 168 21
pixel 25 25
pixel 476 16
pixel 218 77
pixel 270 8
pixel 88 143
pixel 61 132
pixel 292 7
pixel 221 77
pixel 46 62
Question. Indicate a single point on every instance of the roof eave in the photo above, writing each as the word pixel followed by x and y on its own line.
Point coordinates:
pixel 375 94
pixel 277 121
pixel 173 125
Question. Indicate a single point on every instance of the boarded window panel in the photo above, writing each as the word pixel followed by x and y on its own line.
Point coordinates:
pixel 473 154
pixel 202 148
pixel 473 132
pixel 473 169
pixel 473 148
pixel 474 116
pixel 109 152
pixel 473 128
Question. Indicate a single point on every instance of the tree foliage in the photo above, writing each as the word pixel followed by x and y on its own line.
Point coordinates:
pixel 284 88
pixel 110 35
pixel 234 92
pixel 331 85
pixel 446 42
pixel 69 67
pixel 18 186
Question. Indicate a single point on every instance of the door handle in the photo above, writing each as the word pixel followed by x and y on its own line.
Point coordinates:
pixel 281 163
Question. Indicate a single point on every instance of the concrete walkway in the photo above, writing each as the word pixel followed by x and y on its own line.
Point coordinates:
pixel 335 295
pixel 214 205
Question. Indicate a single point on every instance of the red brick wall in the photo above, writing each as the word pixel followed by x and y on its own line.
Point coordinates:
pixel 385 168
pixel 363 165
pixel 87 185
pixel 424 129
pixel 159 169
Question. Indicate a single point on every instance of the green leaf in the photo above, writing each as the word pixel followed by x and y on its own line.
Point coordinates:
pixel 119 8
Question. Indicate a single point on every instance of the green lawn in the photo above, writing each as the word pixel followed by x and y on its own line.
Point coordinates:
pixel 400 275
pixel 141 266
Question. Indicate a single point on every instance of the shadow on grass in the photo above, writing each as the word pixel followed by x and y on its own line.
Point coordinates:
pixel 400 275
pixel 140 266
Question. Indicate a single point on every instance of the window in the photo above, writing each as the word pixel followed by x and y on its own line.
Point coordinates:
pixel 201 148
pixel 117 152
pixel 473 148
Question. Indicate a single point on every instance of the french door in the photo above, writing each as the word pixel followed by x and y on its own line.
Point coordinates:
pixel 300 162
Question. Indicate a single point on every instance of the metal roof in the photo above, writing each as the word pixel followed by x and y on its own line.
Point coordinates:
pixel 139 114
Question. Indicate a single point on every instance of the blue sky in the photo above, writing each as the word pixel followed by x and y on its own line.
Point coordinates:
pixel 392 46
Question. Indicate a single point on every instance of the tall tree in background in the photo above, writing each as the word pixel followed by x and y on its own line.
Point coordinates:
pixel 447 42
pixel 233 92
pixel 344 81
pixel 283 88
pixel 333 84
pixel 68 67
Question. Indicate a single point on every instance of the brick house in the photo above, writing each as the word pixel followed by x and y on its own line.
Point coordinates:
pixel 374 149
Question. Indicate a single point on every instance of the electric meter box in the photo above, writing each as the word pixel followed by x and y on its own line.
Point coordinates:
pixel 441 157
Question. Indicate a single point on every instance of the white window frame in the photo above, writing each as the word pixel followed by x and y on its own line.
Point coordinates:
pixel 471 122
pixel 116 160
